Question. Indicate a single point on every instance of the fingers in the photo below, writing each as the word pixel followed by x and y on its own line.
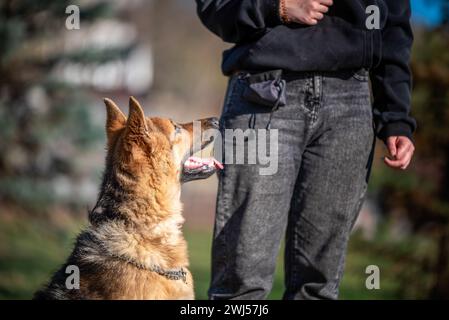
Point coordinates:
pixel 322 9
pixel 408 158
pixel 391 145
pixel 317 16
pixel 402 163
pixel 310 21
pixel 403 146
pixel 308 12
pixel 403 149
pixel 326 2
pixel 407 155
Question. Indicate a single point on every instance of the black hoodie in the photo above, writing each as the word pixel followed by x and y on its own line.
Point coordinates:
pixel 341 40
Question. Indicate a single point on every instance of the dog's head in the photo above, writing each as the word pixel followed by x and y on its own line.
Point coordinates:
pixel 156 148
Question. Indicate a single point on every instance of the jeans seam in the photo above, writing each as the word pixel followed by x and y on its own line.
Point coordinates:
pixel 225 205
pixel 294 272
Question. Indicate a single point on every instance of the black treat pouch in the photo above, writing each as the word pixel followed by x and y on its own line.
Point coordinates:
pixel 266 88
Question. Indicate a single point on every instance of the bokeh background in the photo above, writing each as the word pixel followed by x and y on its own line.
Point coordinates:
pixel 52 139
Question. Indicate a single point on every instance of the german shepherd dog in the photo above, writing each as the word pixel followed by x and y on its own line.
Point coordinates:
pixel 133 247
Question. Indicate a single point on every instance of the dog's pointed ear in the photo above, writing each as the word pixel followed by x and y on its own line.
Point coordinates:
pixel 137 122
pixel 115 119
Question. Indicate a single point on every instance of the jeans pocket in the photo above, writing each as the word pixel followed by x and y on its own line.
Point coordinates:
pixel 254 94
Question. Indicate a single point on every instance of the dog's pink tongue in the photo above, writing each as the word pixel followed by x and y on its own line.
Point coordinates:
pixel 196 162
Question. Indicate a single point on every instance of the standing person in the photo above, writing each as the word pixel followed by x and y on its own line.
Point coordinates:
pixel 318 55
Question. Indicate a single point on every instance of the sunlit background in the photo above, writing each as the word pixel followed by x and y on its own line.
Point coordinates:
pixel 52 81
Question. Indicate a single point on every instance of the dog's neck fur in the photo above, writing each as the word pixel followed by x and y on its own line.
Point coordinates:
pixel 141 220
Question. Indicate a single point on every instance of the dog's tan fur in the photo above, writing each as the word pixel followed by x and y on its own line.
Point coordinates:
pixel 137 221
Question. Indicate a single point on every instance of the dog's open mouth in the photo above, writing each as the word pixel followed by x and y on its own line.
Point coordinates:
pixel 195 168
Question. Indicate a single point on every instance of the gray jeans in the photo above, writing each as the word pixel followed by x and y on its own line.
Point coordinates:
pixel 325 149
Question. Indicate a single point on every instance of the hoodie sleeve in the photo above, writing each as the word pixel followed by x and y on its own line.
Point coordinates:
pixel 391 79
pixel 238 21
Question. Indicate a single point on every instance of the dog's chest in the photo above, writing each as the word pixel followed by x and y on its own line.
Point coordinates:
pixel 148 285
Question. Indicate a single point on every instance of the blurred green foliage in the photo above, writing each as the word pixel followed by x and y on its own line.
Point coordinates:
pixel 421 194
pixel 45 122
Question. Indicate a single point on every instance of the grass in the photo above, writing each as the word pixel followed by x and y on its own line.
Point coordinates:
pixel 29 253
pixel 30 250
pixel 352 287
pixel 199 251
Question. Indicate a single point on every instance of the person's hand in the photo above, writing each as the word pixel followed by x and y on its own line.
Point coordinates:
pixel 401 151
pixel 306 11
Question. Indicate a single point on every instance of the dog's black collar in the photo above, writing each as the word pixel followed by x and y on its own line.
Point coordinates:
pixel 171 274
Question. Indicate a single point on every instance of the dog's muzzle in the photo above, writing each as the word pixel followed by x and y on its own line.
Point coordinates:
pixel 195 168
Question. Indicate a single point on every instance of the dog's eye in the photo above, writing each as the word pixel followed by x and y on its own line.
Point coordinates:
pixel 177 129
